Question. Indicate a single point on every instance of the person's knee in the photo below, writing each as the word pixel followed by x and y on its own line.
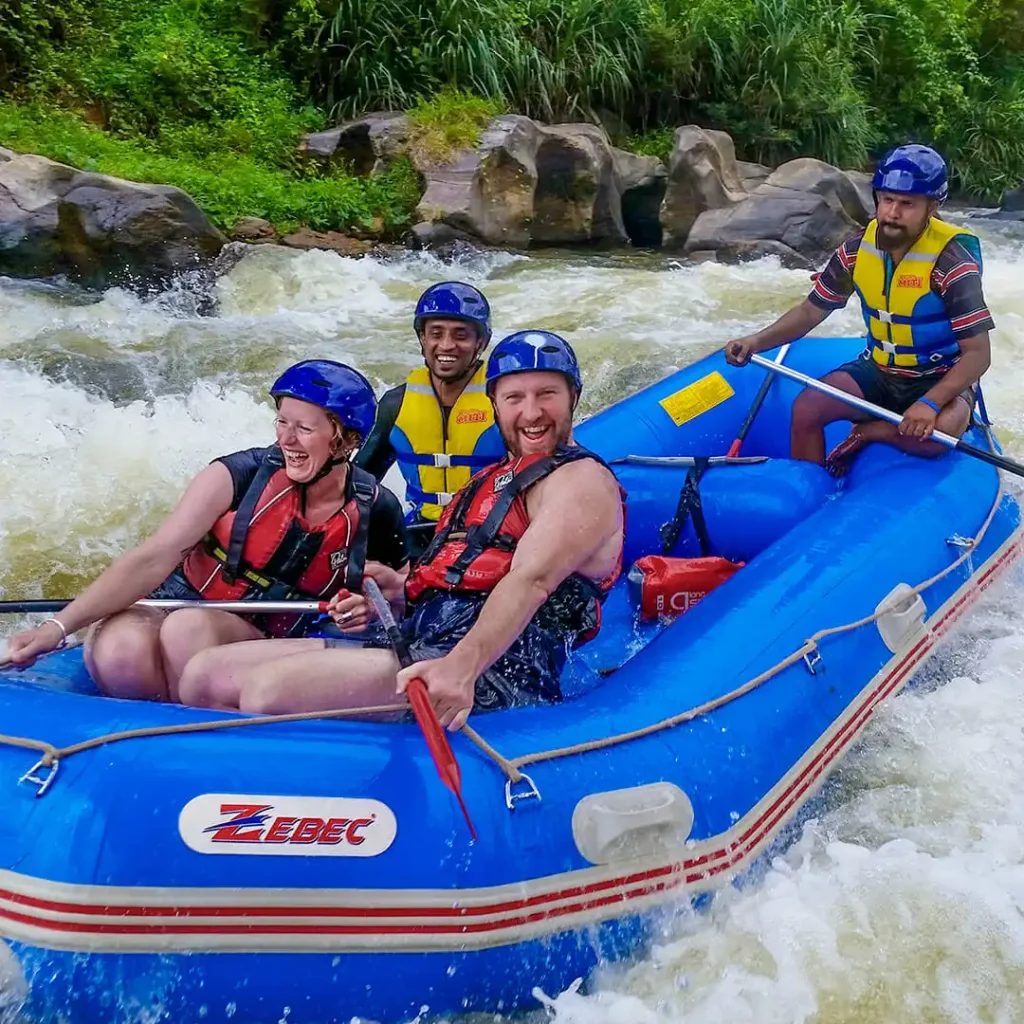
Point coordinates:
pixel 955 418
pixel 265 693
pixel 196 684
pixel 185 632
pixel 124 660
pixel 808 411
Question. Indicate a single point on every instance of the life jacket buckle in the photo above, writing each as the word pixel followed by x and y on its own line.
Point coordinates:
pixel 444 498
pixel 453 576
pixel 884 315
pixel 442 461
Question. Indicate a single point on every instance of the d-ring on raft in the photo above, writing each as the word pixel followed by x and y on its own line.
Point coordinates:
pixel 319 865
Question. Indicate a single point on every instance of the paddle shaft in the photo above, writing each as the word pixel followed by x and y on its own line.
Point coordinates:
pixel 755 408
pixel 992 458
pixel 240 607
pixel 419 699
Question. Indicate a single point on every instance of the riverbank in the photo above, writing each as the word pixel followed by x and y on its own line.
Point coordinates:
pixel 214 96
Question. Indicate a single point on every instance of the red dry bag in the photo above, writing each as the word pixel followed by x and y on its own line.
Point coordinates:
pixel 666 587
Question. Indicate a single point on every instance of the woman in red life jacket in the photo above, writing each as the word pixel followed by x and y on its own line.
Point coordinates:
pixel 514 577
pixel 295 520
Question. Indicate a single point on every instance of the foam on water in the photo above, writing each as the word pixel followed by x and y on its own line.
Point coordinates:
pixel 903 899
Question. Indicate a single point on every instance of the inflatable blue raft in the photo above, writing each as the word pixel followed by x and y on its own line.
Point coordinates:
pixel 317 871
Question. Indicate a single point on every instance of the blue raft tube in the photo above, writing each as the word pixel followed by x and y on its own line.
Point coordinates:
pixel 320 866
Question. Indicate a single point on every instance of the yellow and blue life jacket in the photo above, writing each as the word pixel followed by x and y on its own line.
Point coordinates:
pixel 437 458
pixel 909 329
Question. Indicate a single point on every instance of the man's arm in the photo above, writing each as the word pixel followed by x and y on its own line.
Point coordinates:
pixel 376 455
pixel 793 324
pixel 832 290
pixel 577 512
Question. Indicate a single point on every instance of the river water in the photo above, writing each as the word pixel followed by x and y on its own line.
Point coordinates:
pixel 904 898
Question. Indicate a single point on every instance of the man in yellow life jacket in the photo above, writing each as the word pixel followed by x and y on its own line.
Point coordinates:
pixel 439 424
pixel 919 283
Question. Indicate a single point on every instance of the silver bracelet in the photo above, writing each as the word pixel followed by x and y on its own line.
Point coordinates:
pixel 63 632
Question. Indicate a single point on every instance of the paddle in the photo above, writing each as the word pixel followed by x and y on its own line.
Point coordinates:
pixel 433 731
pixel 992 458
pixel 762 394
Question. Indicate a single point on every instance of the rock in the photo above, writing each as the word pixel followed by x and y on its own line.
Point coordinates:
pixel 702 176
pixel 6 154
pixel 752 175
pixel 1013 201
pixel 806 205
pixel 254 230
pixel 577 195
pixel 487 192
pixel 367 145
pixel 306 238
pixel 374 230
pixel 642 182
pixel 98 230
pixel 862 183
pixel 744 252
pixel 526 184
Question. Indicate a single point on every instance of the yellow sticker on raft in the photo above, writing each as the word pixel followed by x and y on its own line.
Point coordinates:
pixel 697 398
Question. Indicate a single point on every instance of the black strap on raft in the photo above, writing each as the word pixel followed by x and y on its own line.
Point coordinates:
pixel 273 461
pixel 689 507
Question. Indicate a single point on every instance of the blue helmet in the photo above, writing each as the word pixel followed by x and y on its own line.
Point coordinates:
pixel 332 386
pixel 915 170
pixel 533 350
pixel 453 300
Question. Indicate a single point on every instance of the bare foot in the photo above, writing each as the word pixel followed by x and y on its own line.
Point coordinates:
pixel 840 459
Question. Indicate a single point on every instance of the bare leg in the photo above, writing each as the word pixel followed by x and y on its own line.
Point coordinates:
pixel 954 420
pixel 189 630
pixel 122 654
pixel 813 411
pixel 286 676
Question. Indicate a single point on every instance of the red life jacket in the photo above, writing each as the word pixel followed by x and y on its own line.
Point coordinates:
pixel 478 532
pixel 266 549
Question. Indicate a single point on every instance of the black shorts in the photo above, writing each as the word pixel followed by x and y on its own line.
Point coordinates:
pixel 896 392
pixel 527 673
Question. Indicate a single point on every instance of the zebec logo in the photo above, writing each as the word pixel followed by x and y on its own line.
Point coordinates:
pixel 306 826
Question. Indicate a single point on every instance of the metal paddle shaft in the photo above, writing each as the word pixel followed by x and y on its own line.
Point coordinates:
pixel 687 460
pixel 433 732
pixel 240 607
pixel 992 458
pixel 755 408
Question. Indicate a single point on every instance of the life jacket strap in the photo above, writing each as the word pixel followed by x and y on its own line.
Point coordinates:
pixel 273 461
pixel 444 461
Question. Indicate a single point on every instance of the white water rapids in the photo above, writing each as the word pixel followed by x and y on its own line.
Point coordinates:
pixel 902 901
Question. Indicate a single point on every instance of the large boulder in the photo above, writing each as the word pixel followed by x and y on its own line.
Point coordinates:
pixel 702 176
pixel 484 193
pixel 524 184
pixel 752 175
pixel 367 145
pixel 805 207
pixel 97 230
pixel 577 196
pixel 1013 201
pixel 642 182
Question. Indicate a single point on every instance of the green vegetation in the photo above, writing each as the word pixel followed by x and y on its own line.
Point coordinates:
pixel 212 95
pixel 451 120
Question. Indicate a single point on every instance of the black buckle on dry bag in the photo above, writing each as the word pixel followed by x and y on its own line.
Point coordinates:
pixel 689 506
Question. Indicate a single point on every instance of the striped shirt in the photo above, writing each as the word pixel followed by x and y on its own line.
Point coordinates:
pixel 956 279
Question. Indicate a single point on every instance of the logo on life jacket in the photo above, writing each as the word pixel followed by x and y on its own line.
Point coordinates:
pixel 910 281
pixel 338 559
pixel 472 416
pixel 296 826
pixel 502 480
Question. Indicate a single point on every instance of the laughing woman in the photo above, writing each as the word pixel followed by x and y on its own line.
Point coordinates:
pixel 295 520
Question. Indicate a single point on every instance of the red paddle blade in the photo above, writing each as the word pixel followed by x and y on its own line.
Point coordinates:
pixel 437 743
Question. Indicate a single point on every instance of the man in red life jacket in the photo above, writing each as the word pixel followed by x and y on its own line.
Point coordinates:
pixel 515 576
